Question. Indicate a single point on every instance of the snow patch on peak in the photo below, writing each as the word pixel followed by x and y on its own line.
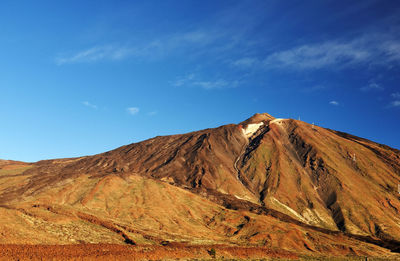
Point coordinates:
pixel 251 129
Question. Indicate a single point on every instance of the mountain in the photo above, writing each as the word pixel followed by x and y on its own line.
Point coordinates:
pixel 280 184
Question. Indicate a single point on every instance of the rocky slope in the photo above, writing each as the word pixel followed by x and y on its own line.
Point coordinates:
pixel 276 183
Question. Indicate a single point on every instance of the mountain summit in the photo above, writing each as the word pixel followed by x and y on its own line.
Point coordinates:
pixel 271 182
pixel 257 118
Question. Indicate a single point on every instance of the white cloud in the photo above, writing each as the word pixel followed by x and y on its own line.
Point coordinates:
pixel 395 103
pixel 372 86
pixel 318 56
pixel 396 95
pixel 95 54
pixel 150 49
pixel 245 62
pixel 391 49
pixel 152 113
pixel 201 37
pixel 217 84
pixel 193 80
pixel 180 81
pixel 88 104
pixel 132 110
pixel 335 103
pixel 373 49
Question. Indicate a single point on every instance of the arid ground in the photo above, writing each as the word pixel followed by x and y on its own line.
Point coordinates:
pixel 264 188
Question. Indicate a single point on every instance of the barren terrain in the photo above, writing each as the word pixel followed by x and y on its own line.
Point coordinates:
pixel 263 188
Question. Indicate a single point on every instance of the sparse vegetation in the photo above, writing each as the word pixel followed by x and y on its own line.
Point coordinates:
pixel 212 252
pixel 164 243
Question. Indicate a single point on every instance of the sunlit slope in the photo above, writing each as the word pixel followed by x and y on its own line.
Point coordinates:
pixel 279 183
pixel 326 178
pixel 138 210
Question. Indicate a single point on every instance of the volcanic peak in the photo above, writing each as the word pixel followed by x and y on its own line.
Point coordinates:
pixel 276 183
pixel 257 118
pixel 254 123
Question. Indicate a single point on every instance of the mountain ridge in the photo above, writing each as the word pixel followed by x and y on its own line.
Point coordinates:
pixel 319 181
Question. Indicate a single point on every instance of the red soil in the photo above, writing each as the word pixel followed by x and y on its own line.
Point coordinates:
pixel 121 252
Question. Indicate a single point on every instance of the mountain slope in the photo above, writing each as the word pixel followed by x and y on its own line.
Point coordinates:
pixel 326 178
pixel 279 183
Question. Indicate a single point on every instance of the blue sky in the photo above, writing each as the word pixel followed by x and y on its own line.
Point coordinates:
pixel 83 77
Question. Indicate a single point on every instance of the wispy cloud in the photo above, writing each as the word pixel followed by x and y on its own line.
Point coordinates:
pixel 374 49
pixel 152 113
pixel 391 49
pixel 194 81
pixel 132 110
pixel 318 56
pixel 396 95
pixel 395 103
pixel 147 49
pixel 372 86
pixel 245 62
pixel 335 103
pixel 182 80
pixel 217 84
pixel 88 104
pixel 315 88
pixel 95 54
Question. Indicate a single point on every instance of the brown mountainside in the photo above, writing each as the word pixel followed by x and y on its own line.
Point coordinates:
pixel 276 183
